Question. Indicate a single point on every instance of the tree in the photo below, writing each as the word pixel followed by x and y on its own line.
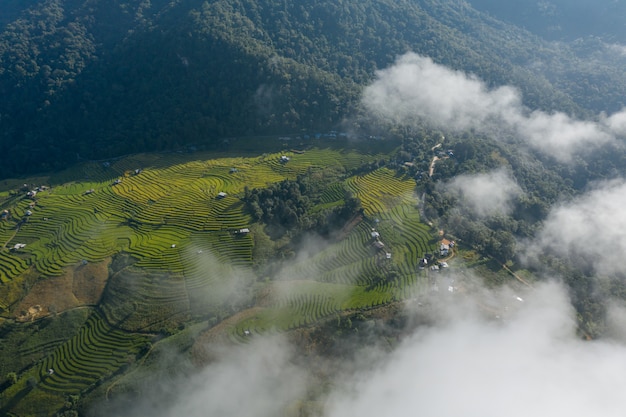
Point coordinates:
pixel 12 378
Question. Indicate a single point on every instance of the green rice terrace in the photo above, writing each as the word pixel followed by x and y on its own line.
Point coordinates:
pixel 101 263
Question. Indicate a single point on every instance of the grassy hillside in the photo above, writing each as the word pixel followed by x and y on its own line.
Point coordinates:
pixel 125 252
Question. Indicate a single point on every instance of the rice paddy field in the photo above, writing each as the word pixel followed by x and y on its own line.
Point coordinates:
pixel 187 243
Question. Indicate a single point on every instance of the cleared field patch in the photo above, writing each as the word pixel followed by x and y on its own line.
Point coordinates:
pixel 79 285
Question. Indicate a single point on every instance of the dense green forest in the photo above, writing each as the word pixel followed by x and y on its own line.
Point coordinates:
pixel 562 19
pixel 93 79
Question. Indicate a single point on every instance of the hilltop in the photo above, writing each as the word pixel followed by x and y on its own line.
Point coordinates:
pixel 90 80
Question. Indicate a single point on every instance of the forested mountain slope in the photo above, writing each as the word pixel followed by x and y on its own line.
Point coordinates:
pixel 562 19
pixel 92 79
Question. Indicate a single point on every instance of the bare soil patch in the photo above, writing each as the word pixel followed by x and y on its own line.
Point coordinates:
pixel 216 336
pixel 79 285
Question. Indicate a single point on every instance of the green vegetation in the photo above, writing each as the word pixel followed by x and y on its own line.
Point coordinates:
pixel 193 239
pixel 86 79
pixel 94 353
pixel 232 231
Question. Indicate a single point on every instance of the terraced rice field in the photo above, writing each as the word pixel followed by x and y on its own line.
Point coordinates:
pixel 162 209
pixel 178 216
pixel 144 204
pixel 95 352
pixel 381 189
pixel 347 274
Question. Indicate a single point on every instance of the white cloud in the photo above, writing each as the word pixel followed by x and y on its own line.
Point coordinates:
pixel 533 364
pixel 616 48
pixel 468 364
pixel 486 194
pixel 617 122
pixel 559 134
pixel 255 380
pixel 416 89
pixel 591 227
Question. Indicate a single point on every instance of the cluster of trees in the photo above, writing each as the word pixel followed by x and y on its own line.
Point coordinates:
pixel 495 235
pixel 544 183
pixel 286 206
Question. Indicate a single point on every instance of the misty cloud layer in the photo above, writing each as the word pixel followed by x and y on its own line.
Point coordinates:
pixel 591 227
pixel 531 365
pixel 415 89
pixel 485 194
pixel 255 380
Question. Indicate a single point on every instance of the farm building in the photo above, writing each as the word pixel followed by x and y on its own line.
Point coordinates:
pixel 378 244
pixel 221 194
pixel 243 231
pixel 284 159
pixel 423 263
